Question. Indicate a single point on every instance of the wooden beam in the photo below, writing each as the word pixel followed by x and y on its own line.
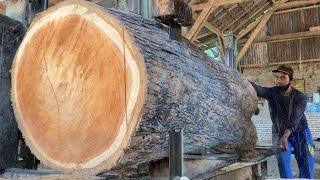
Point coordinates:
pixel 192 2
pixel 249 28
pixel 209 26
pixel 279 63
pixel 210 6
pixel 297 4
pixel 254 34
pixel 254 15
pixel 287 37
pixel 226 12
pixel 204 35
pixel 213 29
pixel 199 7
pixel 240 15
pixel 222 46
pixel 297 9
pixel 219 36
pixel 192 34
pixel 314 28
pixel 296 62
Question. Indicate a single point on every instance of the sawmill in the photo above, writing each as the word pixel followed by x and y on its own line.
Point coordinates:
pixel 160 89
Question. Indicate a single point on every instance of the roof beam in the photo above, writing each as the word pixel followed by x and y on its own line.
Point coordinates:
pixel 239 15
pixel 192 34
pixel 254 15
pixel 204 35
pixel 260 26
pixel 249 28
pixel 288 37
pixel 211 5
pixel 216 31
pixel 297 4
pixel 199 7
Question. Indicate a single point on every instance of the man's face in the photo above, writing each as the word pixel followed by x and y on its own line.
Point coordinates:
pixel 281 79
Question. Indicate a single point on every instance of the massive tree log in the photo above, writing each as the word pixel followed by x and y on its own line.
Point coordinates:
pixel 98 89
pixel 11 33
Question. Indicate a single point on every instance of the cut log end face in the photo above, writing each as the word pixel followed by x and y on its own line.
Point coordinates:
pixel 75 87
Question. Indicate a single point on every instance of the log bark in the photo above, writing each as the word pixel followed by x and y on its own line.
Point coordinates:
pixel 97 89
pixel 11 33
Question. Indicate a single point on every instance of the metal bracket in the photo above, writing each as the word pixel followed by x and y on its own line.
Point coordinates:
pixel 173 13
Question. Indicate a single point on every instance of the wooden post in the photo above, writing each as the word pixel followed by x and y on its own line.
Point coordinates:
pixel 176 153
pixel 229 52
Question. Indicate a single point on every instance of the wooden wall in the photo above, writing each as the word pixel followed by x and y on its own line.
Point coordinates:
pixel 302 49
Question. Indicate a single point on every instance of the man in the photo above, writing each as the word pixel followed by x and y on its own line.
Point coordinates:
pixel 289 124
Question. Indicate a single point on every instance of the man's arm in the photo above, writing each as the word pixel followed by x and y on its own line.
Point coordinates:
pixel 262 92
pixel 297 111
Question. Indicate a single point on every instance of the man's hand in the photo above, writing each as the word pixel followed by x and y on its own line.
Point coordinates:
pixel 284 140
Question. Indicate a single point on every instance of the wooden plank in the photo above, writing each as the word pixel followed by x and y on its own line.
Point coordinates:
pixel 254 34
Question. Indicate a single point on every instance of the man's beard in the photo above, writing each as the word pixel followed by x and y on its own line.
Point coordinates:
pixel 283 88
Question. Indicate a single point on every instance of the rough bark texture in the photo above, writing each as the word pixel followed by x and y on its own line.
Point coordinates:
pixel 11 33
pixel 185 89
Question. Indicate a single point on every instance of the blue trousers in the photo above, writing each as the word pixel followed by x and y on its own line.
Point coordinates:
pixel 303 149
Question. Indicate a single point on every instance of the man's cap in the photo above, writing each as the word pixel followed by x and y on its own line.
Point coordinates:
pixel 285 69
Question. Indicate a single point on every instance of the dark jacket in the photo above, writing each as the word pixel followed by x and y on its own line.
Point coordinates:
pixel 279 106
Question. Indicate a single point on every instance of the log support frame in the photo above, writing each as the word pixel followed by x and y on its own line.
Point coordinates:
pixel 176 153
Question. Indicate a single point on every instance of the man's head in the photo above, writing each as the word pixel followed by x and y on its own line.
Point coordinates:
pixel 283 77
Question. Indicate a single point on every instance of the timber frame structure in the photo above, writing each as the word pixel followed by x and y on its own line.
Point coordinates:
pixel 243 18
